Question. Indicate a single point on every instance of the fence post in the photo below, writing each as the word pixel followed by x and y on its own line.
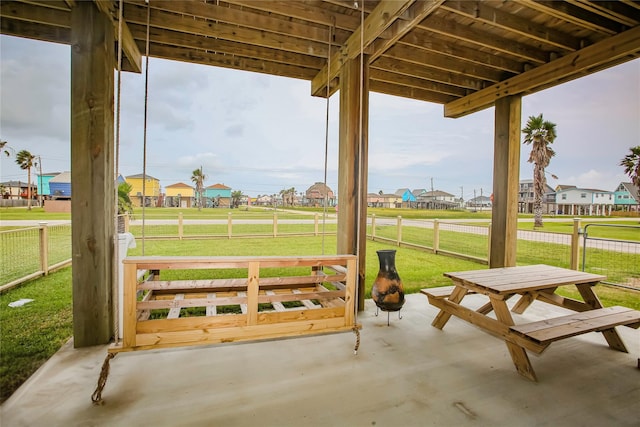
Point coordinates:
pixel 44 248
pixel 229 226
pixel 489 245
pixel 315 223
pixel 275 224
pixel 575 244
pixel 180 229
pixel 373 226
pixel 436 236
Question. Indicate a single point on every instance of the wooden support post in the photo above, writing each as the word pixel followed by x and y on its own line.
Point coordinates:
pixel 506 174
pixel 92 177
pixel 44 248
pixel 352 158
pixel 398 230
pixel 180 226
pixel 373 226
pixel 315 224
pixel 575 244
pixel 436 236
pixel 275 225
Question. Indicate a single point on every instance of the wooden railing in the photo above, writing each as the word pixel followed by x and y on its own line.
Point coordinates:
pixel 266 297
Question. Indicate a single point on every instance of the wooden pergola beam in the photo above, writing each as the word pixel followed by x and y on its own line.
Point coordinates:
pixel 128 43
pixel 567 68
pixel 381 18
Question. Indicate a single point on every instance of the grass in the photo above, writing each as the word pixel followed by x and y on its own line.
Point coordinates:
pixel 31 334
pixel 34 332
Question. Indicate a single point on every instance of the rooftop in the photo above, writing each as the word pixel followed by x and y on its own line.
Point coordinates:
pixel 405 374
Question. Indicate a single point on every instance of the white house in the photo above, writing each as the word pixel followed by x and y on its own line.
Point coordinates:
pixel 584 201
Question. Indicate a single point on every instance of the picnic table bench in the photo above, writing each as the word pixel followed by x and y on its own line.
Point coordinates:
pixel 536 282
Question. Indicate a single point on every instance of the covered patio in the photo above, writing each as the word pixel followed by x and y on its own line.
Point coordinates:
pixel 405 374
pixel 466 56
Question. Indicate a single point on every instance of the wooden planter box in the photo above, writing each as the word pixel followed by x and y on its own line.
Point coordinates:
pixel 259 298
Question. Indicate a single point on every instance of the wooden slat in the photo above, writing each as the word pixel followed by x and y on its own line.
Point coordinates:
pixel 211 309
pixel 546 331
pixel 440 292
pixel 174 312
pixel 306 302
pixel 277 305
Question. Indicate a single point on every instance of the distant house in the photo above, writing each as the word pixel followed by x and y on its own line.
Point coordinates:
pixel 316 193
pixel 627 197
pixel 265 200
pixel 479 203
pixel 408 199
pixel 60 186
pixel 179 195
pixel 151 190
pixel 375 200
pixel 218 195
pixel 42 182
pixel 437 200
pixel 16 190
pixel 572 200
pixel 526 196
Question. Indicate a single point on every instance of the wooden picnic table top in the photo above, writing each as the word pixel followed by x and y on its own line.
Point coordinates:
pixel 509 280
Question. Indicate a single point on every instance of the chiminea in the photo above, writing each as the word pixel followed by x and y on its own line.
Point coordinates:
pixel 387 291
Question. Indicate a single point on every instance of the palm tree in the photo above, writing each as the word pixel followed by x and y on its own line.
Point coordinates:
pixel 235 198
pixel 631 164
pixel 25 160
pixel 5 149
pixel 540 133
pixel 197 177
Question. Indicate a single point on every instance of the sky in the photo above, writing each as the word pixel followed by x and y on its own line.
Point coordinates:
pixel 261 134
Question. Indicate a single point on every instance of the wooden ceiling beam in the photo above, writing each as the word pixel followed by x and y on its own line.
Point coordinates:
pixel 446 63
pixel 576 15
pixel 35 31
pixel 128 44
pixel 408 92
pixel 415 14
pixel 208 28
pixel 246 18
pixel 615 10
pixel 600 55
pixel 403 80
pixel 235 62
pixel 35 13
pixel 426 40
pixel 509 22
pixel 215 45
pixel 470 34
pixel 382 17
pixel 400 66
pixel 303 11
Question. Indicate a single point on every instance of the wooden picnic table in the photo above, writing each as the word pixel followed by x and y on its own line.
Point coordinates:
pixel 534 282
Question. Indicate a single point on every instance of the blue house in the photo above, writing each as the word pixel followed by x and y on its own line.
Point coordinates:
pixel 60 186
pixel 217 196
pixel 43 182
pixel 408 198
pixel 627 196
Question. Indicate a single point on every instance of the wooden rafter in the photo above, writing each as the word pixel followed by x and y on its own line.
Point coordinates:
pixel 129 47
pixel 382 17
pixel 563 69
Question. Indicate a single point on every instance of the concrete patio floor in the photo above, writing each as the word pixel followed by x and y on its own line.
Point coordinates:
pixel 405 374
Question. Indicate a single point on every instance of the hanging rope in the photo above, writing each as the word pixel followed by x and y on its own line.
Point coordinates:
pixel 146 110
pixel 326 132
pixel 360 162
pixel 115 290
pixel 96 397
